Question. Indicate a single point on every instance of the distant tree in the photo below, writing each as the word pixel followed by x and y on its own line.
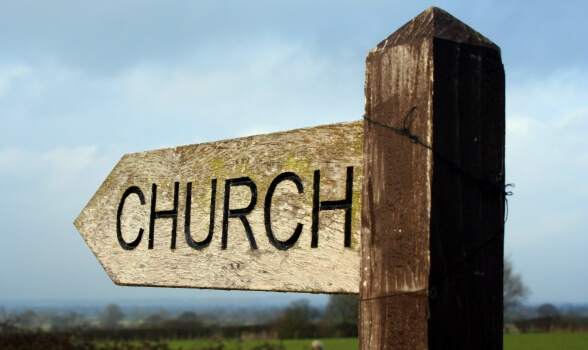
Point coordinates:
pixel 4 316
pixel 58 322
pixel 159 315
pixel 547 310
pixel 297 320
pixel 341 315
pixel 75 320
pixel 46 318
pixel 515 291
pixel 187 316
pixel 110 316
pixel 154 319
pixel 28 319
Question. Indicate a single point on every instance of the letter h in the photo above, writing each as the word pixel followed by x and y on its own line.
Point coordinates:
pixel 163 214
pixel 344 204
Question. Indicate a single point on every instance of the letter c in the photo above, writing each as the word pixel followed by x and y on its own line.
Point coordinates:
pixel 281 245
pixel 128 246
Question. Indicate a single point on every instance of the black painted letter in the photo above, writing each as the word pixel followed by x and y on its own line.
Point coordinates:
pixel 163 214
pixel 241 212
pixel 204 243
pixel 128 246
pixel 344 204
pixel 281 245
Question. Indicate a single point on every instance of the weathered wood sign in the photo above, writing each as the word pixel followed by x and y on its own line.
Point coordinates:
pixel 270 212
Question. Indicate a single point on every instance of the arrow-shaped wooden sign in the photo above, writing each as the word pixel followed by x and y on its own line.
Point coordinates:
pixel 276 212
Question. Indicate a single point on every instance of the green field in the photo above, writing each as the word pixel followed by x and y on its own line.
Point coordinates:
pixel 546 341
pixel 541 341
pixel 290 344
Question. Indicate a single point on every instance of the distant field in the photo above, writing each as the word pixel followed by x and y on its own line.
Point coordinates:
pixel 546 341
pixel 543 341
pixel 301 344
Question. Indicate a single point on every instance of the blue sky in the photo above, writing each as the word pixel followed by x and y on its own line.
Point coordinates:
pixel 83 83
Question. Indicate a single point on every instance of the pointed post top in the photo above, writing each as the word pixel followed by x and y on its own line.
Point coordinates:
pixel 437 23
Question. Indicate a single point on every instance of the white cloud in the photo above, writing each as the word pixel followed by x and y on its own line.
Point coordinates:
pixel 11 73
pixel 11 158
pixel 68 165
pixel 59 163
pixel 213 93
pixel 258 130
pixel 34 180
pixel 267 84
pixel 546 143
pixel 256 77
pixel 546 157
pixel 550 97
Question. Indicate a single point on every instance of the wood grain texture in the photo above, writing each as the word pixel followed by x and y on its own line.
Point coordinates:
pixel 396 199
pixel 330 267
pixel 433 198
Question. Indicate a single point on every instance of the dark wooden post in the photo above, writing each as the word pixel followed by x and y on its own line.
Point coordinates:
pixel 433 190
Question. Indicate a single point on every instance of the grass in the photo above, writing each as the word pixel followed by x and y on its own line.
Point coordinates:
pixel 546 341
pixel 529 341
pixel 290 344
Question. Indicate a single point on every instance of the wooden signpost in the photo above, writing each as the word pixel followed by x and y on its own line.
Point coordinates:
pixel 405 207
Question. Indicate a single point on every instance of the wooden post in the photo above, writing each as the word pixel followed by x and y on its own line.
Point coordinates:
pixel 433 189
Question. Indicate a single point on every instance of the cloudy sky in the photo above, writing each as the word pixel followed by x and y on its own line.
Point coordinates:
pixel 83 83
